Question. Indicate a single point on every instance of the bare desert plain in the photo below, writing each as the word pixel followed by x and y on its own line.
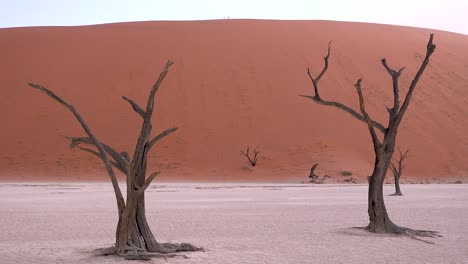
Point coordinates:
pixel 234 84
pixel 235 223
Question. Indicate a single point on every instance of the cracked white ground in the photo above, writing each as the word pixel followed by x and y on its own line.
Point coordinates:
pixel 236 223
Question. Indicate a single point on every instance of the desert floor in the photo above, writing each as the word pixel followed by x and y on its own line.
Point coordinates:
pixel 236 223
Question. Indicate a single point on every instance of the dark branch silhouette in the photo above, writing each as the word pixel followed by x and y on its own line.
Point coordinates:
pixel 253 160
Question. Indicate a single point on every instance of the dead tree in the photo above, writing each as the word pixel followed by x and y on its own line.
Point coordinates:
pixel 134 238
pixel 379 220
pixel 398 170
pixel 253 161
pixel 313 177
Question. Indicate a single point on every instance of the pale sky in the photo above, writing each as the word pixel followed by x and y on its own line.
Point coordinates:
pixel 449 15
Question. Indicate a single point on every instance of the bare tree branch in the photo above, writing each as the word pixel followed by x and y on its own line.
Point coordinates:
pixel 125 155
pixel 123 163
pixel 400 161
pixel 403 157
pixel 347 109
pixel 325 67
pixel 396 91
pixel 255 157
pixel 147 183
pixel 147 127
pixel 95 153
pixel 316 98
pixel 160 136
pixel 375 139
pixel 154 89
pixel 97 143
pixel 135 106
pixel 430 49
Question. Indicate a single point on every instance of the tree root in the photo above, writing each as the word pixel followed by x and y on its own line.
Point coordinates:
pixel 134 253
pixel 411 233
pixel 172 247
pixel 151 255
pixel 415 234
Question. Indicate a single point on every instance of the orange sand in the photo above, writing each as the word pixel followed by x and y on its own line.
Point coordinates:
pixel 234 83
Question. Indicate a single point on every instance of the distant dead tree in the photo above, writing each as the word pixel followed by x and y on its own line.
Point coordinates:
pixel 398 170
pixel 383 149
pixel 134 238
pixel 314 178
pixel 252 160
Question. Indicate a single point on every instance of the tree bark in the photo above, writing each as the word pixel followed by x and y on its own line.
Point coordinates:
pixel 379 221
pixel 143 232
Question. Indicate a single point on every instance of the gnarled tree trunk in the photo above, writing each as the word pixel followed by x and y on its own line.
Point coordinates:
pixel 379 220
pixel 133 234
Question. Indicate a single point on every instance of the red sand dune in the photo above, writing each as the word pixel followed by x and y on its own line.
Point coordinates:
pixel 234 83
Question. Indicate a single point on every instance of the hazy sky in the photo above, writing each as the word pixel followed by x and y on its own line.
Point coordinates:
pixel 450 15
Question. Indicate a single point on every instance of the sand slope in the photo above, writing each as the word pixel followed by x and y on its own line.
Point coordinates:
pixel 234 83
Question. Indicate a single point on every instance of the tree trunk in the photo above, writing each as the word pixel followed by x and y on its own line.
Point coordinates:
pixel 397 186
pixel 125 227
pixel 142 236
pixel 379 221
pixel 143 230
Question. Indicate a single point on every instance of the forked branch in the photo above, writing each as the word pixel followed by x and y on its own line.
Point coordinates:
pixel 253 160
pixel 397 170
pixel 396 90
pixel 317 79
pixel 316 98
